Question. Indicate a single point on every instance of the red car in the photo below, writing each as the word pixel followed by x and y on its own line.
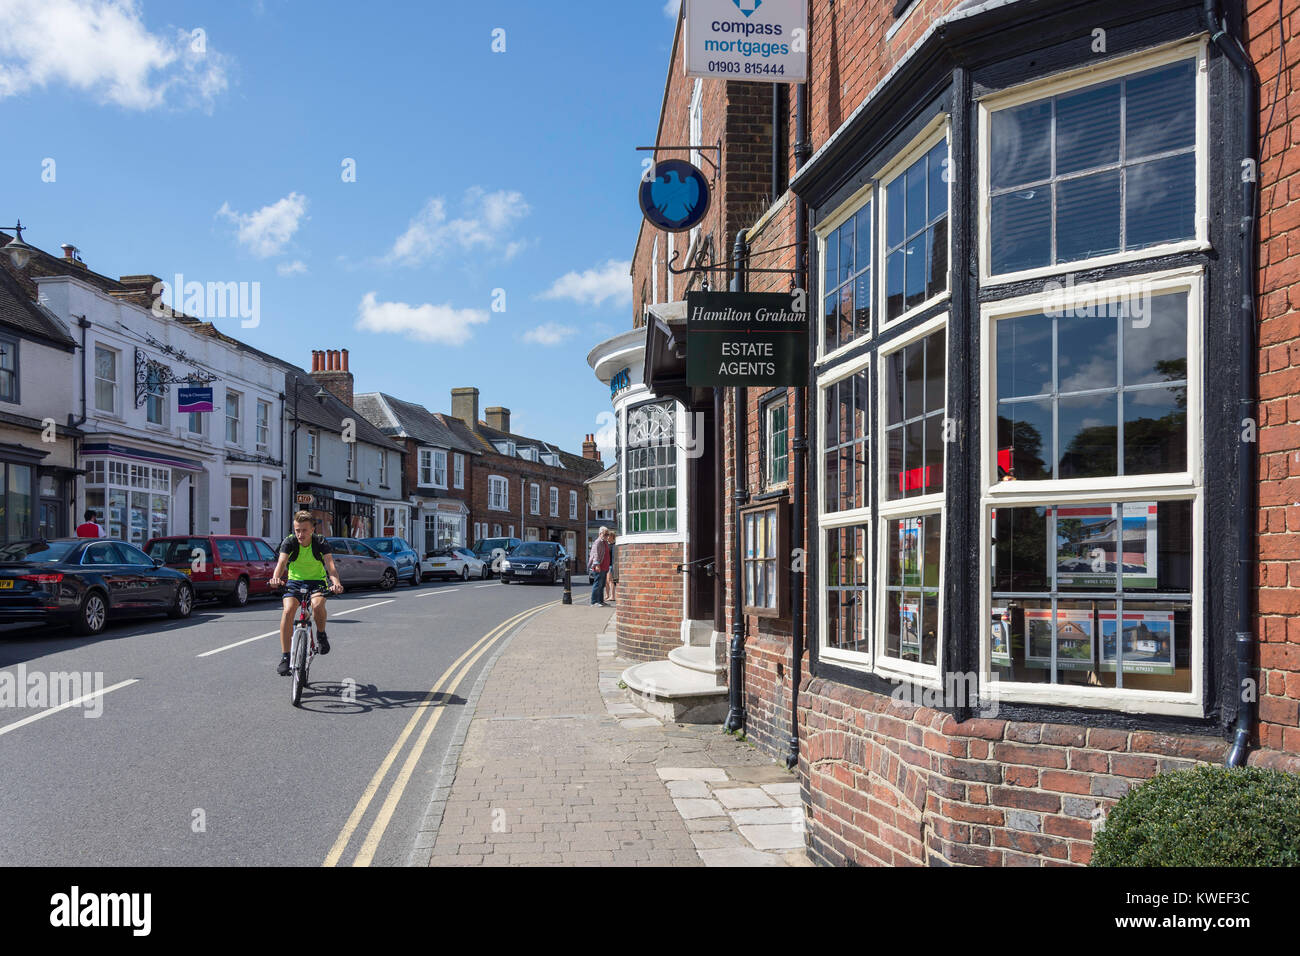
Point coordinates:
pixel 230 567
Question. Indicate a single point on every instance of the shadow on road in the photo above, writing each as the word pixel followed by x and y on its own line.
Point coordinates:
pixel 331 697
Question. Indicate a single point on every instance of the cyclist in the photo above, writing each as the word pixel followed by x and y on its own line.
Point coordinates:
pixel 307 558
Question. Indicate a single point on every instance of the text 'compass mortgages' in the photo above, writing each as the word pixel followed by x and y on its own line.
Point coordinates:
pixel 674 195
pixel 757 40
pixel 748 339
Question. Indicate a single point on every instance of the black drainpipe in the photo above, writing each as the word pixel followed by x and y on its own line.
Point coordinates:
pixel 84 324
pixel 802 150
pixel 735 702
pixel 1231 47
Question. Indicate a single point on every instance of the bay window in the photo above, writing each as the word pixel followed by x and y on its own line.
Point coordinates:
pixel 915 253
pixel 651 481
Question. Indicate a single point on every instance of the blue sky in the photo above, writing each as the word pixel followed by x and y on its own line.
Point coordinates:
pixel 221 155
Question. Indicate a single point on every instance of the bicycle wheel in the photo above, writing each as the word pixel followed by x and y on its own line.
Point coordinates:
pixel 299 658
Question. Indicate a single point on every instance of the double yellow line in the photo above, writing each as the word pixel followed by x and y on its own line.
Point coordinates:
pixel 441 686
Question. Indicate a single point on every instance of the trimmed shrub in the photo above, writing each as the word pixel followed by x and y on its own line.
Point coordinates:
pixel 1207 816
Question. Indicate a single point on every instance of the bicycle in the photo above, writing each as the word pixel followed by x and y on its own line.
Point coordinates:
pixel 302 649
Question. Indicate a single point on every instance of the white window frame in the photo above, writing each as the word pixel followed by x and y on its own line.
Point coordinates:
pixel 458 470
pixel 263 425
pixel 383 468
pixel 114 383
pixel 1187 486
pixel 554 501
pixel 929 675
pixel 936 131
pixel 157 393
pixel 498 490
pixel 534 498
pixel 237 418
pixel 824 231
pixel 828 521
pixel 1077 79
pixel 573 505
pixel 351 457
pixel 313 450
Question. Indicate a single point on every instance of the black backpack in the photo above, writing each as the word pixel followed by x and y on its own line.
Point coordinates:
pixel 290 547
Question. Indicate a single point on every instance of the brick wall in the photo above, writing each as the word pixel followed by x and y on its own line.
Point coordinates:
pixel 1278 625
pixel 411 477
pixel 519 472
pixel 891 784
pixel 649 600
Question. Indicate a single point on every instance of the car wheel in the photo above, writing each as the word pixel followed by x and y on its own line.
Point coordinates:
pixel 184 602
pixel 92 615
pixel 483 574
pixel 464 572
pixel 239 596
pixel 416 577
pixel 389 580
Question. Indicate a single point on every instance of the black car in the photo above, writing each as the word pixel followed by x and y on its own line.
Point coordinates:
pixel 490 550
pixel 535 561
pixel 82 581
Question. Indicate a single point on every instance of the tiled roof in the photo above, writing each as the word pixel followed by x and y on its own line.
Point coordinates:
pixel 585 466
pixel 20 311
pixel 331 412
pixel 397 418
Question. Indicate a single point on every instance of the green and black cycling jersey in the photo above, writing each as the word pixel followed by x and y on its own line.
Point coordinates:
pixel 306 564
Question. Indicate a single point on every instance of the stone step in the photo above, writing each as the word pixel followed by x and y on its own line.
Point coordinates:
pixel 701 634
pixel 696 659
pixel 676 694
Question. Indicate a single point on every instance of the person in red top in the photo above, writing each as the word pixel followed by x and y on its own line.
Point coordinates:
pixel 598 566
pixel 89 529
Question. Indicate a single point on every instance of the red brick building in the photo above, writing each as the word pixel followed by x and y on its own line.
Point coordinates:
pixel 520 487
pixel 1039 527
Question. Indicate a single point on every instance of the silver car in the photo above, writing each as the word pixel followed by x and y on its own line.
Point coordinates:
pixel 359 564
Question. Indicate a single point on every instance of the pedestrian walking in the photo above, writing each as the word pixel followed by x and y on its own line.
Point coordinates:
pixel 611 579
pixel 598 566
pixel 90 528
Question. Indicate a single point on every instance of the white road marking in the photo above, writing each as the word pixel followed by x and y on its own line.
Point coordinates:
pixel 71 703
pixel 249 640
pixel 446 591
pixel 496 585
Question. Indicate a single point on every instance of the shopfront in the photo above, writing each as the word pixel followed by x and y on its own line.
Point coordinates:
pixel 338 513
pixel 18 468
pixel 445 525
pixel 132 491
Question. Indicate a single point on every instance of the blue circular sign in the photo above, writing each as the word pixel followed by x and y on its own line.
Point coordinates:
pixel 677 198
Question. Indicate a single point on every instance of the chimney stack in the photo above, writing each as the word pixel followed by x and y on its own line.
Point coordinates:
pixel 329 369
pixel 498 418
pixel 464 405
pixel 591 450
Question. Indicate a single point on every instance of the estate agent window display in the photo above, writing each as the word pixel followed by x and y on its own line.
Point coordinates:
pixel 1089 396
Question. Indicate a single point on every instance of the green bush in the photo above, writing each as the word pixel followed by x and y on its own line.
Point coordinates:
pixel 1208 816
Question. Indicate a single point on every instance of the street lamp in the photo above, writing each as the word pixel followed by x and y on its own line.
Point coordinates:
pixel 298 387
pixel 20 253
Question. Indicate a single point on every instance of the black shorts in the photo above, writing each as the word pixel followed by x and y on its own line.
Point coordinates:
pixel 295 588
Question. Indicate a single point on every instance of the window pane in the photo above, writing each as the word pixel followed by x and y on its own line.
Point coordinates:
pixel 1020 555
pixel 935 362
pixel 1087 216
pixel 894 210
pixel 1088 439
pixel 1021 144
pixel 846 252
pixel 1025 440
pixel 893 616
pixel 830 322
pixel 1161 201
pixel 938 189
pixel 1161 110
pixel 911 480
pixel 1087 129
pixel 894 412
pixel 915 186
pixel 914 380
pixel 1155 430
pixel 831 267
pixel 930 627
pixel 930 569
pixel 1155 344
pixel 894 264
pixel 862 305
pixel 1087 352
pixel 915 278
pixel 1088 538
pixel 1024 347
pixel 936 276
pixel 1020 235
pixel 1173 547
pixel 846 313
pixel 862 240
pixel 932 477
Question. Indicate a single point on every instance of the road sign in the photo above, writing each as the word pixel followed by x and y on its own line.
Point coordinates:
pixel 749 339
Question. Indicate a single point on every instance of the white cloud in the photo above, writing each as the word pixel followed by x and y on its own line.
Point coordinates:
pixel 594 286
pixel 548 333
pixel 671 7
pixel 295 268
pixel 485 221
pixel 102 47
pixel 265 232
pixel 442 324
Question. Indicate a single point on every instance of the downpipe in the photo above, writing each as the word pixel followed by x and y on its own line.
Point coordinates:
pixel 735 682
pixel 1231 48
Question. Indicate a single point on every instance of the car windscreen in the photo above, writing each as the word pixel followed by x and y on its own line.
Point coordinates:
pixel 382 545
pixel 534 549
pixel 36 550
pixel 488 545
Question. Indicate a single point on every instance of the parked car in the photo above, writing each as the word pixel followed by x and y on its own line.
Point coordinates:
pixel 84 581
pixel 535 561
pixel 487 548
pixel 229 567
pixel 454 563
pixel 404 556
pixel 359 564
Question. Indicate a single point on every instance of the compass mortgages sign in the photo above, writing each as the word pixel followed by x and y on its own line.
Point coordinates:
pixel 761 40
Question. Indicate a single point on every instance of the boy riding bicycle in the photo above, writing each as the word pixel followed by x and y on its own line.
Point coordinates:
pixel 308 559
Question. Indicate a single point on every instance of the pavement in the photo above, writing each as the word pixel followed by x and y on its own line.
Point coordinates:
pixel 552 765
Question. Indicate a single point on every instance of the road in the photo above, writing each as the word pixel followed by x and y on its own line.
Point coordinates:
pixel 197 757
